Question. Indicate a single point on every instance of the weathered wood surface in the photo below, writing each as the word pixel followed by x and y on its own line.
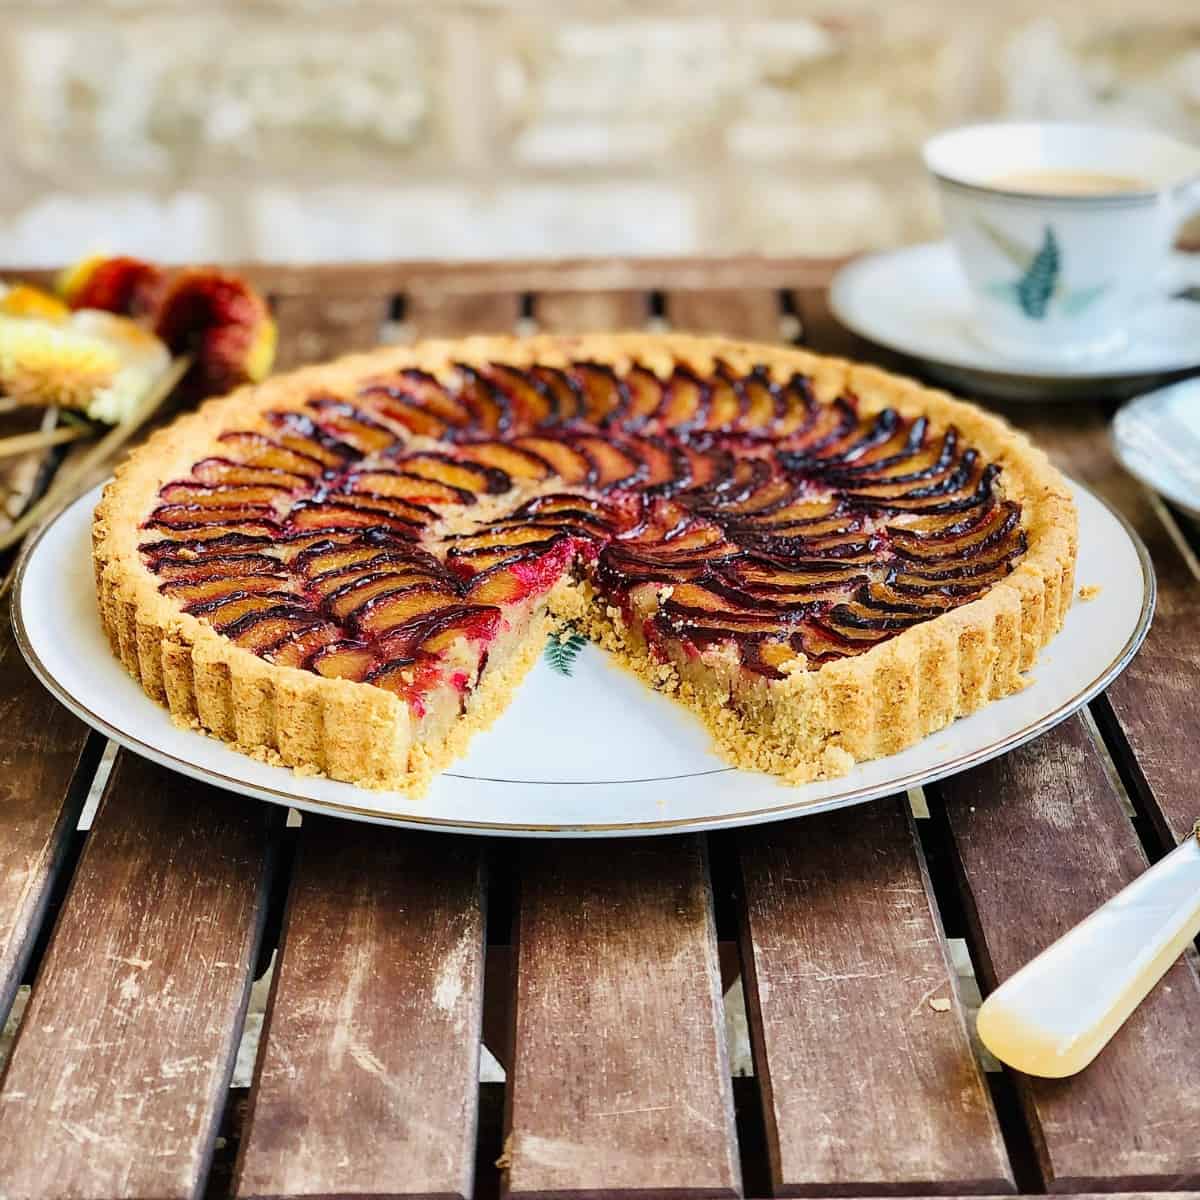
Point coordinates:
pixel 448 314
pixel 869 1081
pixel 537 275
pixel 620 1081
pixel 313 328
pixel 43 748
pixel 367 1082
pixel 1043 841
pixel 755 313
pixel 591 312
pixel 121 1067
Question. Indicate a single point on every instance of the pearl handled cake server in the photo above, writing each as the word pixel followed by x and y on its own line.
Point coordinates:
pixel 1059 1011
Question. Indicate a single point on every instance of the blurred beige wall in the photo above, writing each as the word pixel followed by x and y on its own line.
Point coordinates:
pixel 339 129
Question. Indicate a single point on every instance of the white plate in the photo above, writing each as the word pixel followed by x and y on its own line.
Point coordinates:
pixel 915 301
pixel 595 753
pixel 1157 438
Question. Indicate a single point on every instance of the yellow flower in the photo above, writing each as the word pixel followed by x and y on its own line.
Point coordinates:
pixel 96 362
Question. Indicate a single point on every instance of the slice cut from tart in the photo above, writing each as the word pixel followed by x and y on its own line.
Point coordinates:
pixel 348 569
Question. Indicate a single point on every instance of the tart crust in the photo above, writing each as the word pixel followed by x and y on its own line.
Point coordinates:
pixel 813 723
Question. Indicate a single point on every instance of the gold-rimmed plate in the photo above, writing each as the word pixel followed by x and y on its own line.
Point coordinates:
pixel 588 753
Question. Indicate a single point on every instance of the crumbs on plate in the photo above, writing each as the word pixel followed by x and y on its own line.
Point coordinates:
pixel 1089 591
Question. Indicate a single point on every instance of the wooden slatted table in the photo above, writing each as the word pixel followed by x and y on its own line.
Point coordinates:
pixel 597 976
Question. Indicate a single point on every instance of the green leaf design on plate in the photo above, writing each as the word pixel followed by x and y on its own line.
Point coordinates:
pixel 1037 284
pixel 1073 303
pixel 563 648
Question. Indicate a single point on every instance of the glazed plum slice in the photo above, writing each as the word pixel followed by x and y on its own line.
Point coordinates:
pixel 389 609
pixel 571 465
pixel 645 397
pixel 193 566
pixel 347 514
pixel 237 495
pixel 408 511
pixel 612 467
pixel 343 659
pixel 190 521
pixel 473 477
pixel 417 401
pixel 726 400
pixel 470 553
pixel 286 635
pixel 299 433
pixel 349 426
pixel 196 594
pixel 761 403
pixel 258 450
pixel 796 409
pixel 717 606
pixel 570 403
pixel 224 472
pixel 666 469
pixel 518 464
pixel 489 404
pixel 685 402
pixel 531 400
pixel 224 612
pixel 531 573
pixel 342 593
pixel 404 485
pixel 605 394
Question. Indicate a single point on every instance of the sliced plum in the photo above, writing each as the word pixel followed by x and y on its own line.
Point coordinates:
pixel 567 462
pixel 472 477
pixel 391 609
pixel 570 404
pixel 403 485
pixel 531 400
pixel 518 463
pixel 606 396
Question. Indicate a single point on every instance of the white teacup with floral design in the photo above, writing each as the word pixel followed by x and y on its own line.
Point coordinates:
pixel 1062 230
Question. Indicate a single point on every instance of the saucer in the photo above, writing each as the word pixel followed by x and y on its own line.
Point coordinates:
pixel 915 301
pixel 1157 439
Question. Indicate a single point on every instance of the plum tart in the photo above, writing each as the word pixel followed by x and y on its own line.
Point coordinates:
pixel 348 569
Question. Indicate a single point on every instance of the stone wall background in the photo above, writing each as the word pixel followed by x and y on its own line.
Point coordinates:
pixel 310 130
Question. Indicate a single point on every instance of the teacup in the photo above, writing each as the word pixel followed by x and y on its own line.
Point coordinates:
pixel 1063 230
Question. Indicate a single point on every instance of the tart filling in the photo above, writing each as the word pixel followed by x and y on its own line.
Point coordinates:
pixel 349 568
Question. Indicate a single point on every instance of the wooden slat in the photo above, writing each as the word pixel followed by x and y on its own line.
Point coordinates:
pixel 753 313
pixel 121 1066
pixel 539 275
pixel 377 996
pixel 317 326
pixel 619 1082
pixel 591 312
pixel 869 1082
pixel 1158 691
pixel 430 313
pixel 42 748
pixel 1043 840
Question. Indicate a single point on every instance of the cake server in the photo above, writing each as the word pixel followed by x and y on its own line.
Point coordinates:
pixel 1059 1011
